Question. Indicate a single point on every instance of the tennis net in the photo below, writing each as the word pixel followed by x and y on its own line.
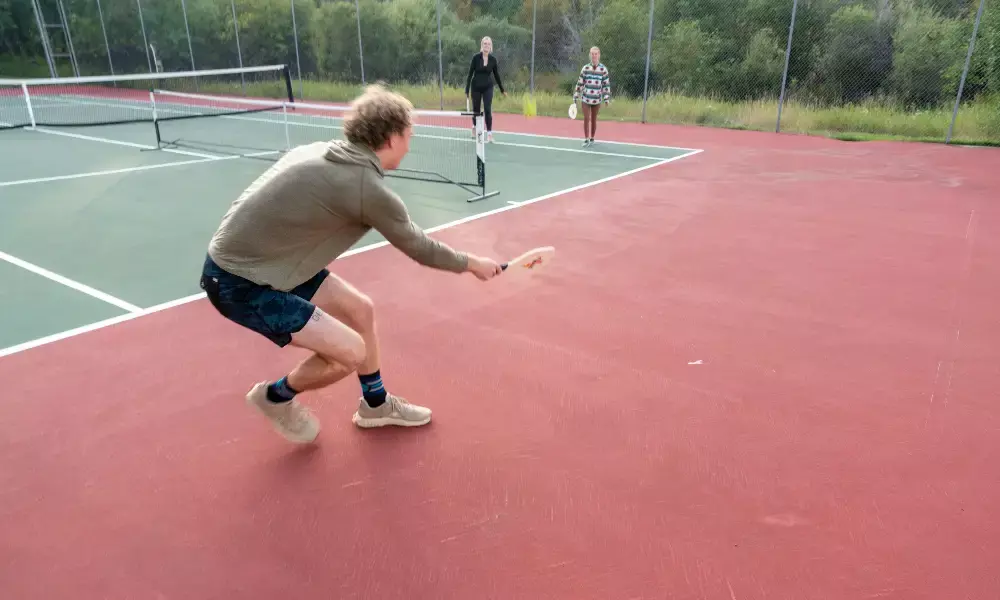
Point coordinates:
pixel 122 99
pixel 446 147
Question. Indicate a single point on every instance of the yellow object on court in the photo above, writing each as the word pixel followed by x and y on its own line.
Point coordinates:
pixel 530 109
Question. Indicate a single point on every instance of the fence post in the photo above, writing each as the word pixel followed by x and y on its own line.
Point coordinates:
pixel 440 60
pixel 298 62
pixel 784 74
pixel 188 30
pixel 44 36
pixel 534 20
pixel 361 52
pixel 239 51
pixel 145 42
pixel 649 51
pixel 104 32
pixel 965 71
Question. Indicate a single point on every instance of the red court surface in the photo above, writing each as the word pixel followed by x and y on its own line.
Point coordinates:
pixel 767 371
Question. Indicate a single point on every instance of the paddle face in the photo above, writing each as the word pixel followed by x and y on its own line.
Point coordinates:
pixel 531 261
pixel 572 110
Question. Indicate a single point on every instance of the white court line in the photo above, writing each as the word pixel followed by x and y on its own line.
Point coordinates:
pixel 76 285
pixel 599 141
pixel 417 133
pixel 580 150
pixel 188 299
pixel 417 130
pixel 500 117
pixel 124 104
pixel 179 163
pixel 91 138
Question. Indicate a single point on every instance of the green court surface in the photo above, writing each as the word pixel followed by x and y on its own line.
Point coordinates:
pixel 95 222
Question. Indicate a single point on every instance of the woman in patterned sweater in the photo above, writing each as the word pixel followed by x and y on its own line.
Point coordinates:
pixel 592 88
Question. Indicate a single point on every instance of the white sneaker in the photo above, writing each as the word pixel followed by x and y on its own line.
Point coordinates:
pixel 291 419
pixel 394 411
pixel 489 137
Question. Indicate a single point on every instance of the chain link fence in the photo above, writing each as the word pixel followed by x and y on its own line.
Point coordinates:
pixel 913 69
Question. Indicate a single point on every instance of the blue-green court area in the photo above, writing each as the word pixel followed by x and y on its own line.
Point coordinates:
pixel 101 221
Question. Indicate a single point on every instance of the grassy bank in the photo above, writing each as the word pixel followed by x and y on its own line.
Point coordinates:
pixel 977 123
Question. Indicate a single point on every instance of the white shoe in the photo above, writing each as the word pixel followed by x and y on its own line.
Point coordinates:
pixel 489 137
pixel 291 419
pixel 394 411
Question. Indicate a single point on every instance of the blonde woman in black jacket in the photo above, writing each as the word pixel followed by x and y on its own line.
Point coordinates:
pixel 479 83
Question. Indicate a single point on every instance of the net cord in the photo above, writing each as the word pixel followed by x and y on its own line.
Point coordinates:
pixel 143 76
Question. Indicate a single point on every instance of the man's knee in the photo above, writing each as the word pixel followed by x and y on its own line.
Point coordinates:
pixel 341 298
pixel 355 355
pixel 332 340
pixel 364 312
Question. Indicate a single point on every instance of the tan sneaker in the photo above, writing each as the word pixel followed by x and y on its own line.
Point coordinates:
pixel 394 411
pixel 291 419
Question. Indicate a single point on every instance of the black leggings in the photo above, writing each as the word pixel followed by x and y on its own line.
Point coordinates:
pixel 486 97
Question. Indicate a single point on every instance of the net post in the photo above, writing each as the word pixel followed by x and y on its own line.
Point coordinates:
pixel 286 73
pixel 152 103
pixel 481 160
pixel 156 121
pixel 27 100
pixel 288 140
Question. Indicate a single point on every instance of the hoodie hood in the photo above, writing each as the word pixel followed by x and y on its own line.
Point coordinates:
pixel 344 152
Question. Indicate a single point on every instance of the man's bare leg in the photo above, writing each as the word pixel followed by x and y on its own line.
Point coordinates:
pixel 323 368
pixel 377 407
pixel 349 307
pixel 353 311
pixel 337 350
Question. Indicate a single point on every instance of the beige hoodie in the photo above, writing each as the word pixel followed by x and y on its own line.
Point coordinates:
pixel 310 207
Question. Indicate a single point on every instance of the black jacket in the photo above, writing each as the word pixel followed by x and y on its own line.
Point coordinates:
pixel 479 73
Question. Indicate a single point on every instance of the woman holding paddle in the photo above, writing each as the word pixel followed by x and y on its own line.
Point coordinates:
pixel 592 88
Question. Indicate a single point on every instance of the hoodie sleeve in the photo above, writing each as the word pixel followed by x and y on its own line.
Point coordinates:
pixel 472 73
pixel 385 212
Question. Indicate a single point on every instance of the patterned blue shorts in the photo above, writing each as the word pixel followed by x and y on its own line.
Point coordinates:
pixel 272 313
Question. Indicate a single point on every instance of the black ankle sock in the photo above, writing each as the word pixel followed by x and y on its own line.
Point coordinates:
pixel 372 389
pixel 280 391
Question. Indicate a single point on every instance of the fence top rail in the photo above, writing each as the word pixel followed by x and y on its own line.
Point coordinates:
pixel 139 76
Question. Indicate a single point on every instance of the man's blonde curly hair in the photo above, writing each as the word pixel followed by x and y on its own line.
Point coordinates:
pixel 376 115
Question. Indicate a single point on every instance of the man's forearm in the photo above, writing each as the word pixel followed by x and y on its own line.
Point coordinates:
pixel 431 253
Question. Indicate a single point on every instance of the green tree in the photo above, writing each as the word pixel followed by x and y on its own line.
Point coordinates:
pixel 927 49
pixel 683 59
pixel 853 64
pixel 620 32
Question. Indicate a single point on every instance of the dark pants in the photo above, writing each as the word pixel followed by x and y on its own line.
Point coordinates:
pixel 484 97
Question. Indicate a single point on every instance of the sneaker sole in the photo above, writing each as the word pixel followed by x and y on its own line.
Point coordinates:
pixel 370 423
